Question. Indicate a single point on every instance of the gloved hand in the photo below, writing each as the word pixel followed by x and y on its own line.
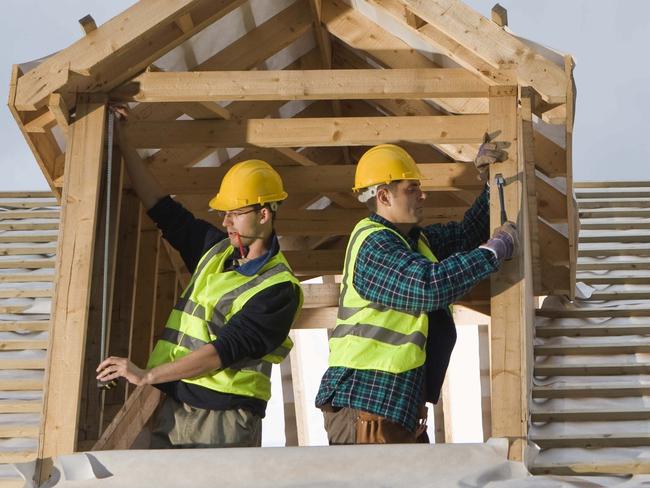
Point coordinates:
pixel 488 153
pixel 504 242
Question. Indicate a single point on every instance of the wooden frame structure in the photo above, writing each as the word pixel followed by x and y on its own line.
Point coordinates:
pixel 354 83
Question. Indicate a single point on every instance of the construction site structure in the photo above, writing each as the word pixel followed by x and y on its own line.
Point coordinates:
pixel 307 85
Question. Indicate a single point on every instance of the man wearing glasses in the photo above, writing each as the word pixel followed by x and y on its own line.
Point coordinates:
pixel 231 323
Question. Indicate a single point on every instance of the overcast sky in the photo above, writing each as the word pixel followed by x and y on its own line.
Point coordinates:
pixel 608 38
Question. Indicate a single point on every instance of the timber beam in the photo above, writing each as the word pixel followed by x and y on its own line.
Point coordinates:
pixel 340 84
pixel 319 179
pixel 306 132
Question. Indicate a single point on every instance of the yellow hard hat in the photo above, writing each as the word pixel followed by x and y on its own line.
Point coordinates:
pixel 252 182
pixel 382 164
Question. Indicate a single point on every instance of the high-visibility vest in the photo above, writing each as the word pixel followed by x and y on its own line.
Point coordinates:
pixel 372 336
pixel 212 297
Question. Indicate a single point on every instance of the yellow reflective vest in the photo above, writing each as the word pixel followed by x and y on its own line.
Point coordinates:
pixel 369 335
pixel 212 297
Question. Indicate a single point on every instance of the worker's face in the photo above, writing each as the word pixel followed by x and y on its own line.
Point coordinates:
pixel 404 204
pixel 243 225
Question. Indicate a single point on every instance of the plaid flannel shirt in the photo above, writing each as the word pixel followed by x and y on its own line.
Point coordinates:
pixel 389 273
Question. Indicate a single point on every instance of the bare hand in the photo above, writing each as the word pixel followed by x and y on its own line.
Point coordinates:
pixel 114 367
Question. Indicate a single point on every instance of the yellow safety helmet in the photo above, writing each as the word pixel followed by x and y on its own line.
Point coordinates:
pixel 382 164
pixel 252 182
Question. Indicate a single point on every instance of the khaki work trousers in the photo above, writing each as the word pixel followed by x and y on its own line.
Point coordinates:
pixel 178 425
pixel 350 426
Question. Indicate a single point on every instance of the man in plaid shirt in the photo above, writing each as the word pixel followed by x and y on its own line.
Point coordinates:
pixel 395 333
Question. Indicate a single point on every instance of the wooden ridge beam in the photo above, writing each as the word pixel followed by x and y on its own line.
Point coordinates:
pixel 306 132
pixel 340 84
pixel 319 179
pixel 117 50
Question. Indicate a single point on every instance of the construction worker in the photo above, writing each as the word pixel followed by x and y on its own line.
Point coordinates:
pixel 213 360
pixel 395 332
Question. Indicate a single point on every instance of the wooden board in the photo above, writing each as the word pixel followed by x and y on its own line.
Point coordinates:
pixel 70 305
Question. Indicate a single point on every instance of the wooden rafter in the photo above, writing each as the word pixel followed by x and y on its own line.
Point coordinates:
pixel 133 40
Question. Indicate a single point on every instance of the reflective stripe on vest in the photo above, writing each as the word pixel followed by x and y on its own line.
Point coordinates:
pixel 212 297
pixel 372 336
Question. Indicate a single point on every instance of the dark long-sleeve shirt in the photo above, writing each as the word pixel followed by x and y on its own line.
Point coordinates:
pixel 259 328
pixel 395 275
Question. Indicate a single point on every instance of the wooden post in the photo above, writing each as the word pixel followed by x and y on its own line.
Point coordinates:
pixel 511 302
pixel 484 376
pixel 92 405
pixel 572 211
pixel 290 420
pixel 144 293
pixel 84 155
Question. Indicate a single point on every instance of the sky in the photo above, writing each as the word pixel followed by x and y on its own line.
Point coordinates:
pixel 608 39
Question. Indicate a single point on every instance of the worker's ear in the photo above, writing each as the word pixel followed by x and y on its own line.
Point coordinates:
pixel 384 196
pixel 265 215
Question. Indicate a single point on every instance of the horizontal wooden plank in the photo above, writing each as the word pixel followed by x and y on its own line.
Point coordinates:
pixel 20 406
pixel 613 280
pixel 54 225
pixel 21 384
pixel 29 203
pixel 18 430
pixel 592 440
pixel 612 194
pixel 618 214
pixel 591 330
pixel 22 238
pixel 27 250
pixel 621 295
pixel 590 369
pixel 318 179
pixel 622 467
pixel 25 277
pixel 613 203
pixel 26 194
pixel 29 214
pixel 26 263
pixel 22 363
pixel 608 390
pixel 612 184
pixel 13 308
pixel 307 132
pixel 627 237
pixel 13 345
pixel 339 84
pixel 594 312
pixel 617 224
pixel 16 456
pixel 316 263
pixel 614 251
pixel 582 349
pixel 24 325
pixel 584 415
pixel 609 265
pixel 25 293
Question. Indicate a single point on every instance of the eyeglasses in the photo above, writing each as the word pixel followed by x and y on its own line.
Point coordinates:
pixel 233 214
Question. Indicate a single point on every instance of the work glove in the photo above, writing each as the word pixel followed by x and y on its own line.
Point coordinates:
pixel 504 242
pixel 488 153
